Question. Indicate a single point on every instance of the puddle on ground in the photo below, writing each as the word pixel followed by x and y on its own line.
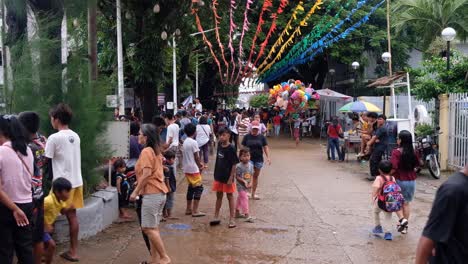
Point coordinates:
pixel 178 226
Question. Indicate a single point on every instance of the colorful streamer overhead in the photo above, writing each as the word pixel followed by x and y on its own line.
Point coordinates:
pixel 245 28
pixel 274 17
pixel 297 32
pixel 217 19
pixel 280 40
pixel 208 43
pixel 320 46
pixel 232 27
pixel 305 45
pixel 267 4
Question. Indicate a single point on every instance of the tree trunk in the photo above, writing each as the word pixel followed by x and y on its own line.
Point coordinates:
pixel 149 101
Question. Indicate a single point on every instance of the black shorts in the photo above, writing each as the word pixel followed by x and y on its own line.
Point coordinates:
pixel 38 221
pixel 194 193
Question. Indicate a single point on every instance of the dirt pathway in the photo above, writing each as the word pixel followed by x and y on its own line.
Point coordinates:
pixel 312 211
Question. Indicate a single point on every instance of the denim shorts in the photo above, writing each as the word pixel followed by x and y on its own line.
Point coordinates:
pixel 407 189
pixel 258 165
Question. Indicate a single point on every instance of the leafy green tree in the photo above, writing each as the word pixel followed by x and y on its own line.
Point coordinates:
pixel 429 18
pixel 259 101
pixel 433 78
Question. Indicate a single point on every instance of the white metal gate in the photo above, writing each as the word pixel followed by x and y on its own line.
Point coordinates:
pixel 458 130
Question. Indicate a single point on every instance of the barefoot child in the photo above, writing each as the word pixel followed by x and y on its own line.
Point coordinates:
pixel 244 172
pixel 54 205
pixel 224 174
pixel 123 188
pixel 192 166
pixel 387 198
pixel 170 180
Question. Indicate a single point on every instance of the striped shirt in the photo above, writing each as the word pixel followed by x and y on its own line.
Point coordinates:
pixel 244 130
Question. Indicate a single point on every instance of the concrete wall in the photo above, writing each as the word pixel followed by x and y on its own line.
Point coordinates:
pixel 100 211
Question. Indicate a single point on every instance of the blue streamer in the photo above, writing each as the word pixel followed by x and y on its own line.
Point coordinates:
pixel 320 48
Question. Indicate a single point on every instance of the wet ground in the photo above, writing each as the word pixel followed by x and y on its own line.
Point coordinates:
pixel 312 211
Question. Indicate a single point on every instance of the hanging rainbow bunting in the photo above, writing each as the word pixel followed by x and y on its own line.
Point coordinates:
pixel 274 17
pixel 322 26
pixel 320 46
pixel 305 45
pixel 207 42
pixel 220 44
pixel 297 32
pixel 285 31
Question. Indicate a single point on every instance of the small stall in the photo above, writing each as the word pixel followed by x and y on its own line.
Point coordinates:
pixel 330 102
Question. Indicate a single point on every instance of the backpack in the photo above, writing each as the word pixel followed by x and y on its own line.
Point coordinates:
pixel 390 198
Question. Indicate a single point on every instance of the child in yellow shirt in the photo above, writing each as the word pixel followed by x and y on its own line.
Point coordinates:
pixel 54 205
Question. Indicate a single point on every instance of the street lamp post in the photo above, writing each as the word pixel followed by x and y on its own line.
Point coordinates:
pixel 386 57
pixel 355 66
pixel 174 65
pixel 448 34
pixel 332 74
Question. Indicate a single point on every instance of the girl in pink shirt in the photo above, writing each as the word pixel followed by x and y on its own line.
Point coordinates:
pixel 16 207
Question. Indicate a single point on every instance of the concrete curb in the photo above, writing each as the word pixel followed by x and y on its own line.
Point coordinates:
pixel 100 211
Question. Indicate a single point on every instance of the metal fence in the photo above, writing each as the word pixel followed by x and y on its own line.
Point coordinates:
pixel 458 130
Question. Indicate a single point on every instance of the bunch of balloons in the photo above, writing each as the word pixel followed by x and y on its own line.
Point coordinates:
pixel 292 96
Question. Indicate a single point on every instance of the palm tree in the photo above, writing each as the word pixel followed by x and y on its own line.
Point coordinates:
pixel 429 17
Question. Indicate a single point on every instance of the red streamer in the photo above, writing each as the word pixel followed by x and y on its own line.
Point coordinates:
pixel 245 28
pixel 232 27
pixel 208 43
pixel 274 17
pixel 221 47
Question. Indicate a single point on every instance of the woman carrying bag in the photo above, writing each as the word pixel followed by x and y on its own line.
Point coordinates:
pixel 16 205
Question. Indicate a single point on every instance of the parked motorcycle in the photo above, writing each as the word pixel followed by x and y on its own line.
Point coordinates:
pixel 428 150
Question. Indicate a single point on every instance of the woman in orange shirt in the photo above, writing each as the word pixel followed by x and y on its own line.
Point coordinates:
pixel 152 191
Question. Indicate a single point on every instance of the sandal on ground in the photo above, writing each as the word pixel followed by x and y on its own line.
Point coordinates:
pixel 256 197
pixel 250 220
pixel 232 224
pixel 404 231
pixel 188 212
pixel 199 214
pixel 215 222
pixel 66 256
pixel 240 216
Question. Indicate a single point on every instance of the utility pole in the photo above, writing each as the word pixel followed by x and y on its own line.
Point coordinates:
pixel 390 73
pixel 120 74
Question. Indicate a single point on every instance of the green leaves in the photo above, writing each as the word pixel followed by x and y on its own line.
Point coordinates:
pixel 259 101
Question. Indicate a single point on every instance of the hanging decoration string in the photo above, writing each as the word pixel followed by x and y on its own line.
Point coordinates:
pixel 245 28
pixel 232 27
pixel 266 6
pixel 297 32
pixel 207 42
pixel 320 47
pixel 274 17
pixel 322 26
pixel 305 44
pixel 218 39
pixel 285 31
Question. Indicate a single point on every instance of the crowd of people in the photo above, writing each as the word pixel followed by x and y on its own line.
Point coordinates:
pixel 28 213
pixel 238 140
pixel 185 140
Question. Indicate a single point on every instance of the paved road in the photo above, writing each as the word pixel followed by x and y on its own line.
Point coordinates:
pixel 312 211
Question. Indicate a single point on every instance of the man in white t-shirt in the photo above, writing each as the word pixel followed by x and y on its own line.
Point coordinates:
pixel 198 105
pixel 63 148
pixel 192 165
pixel 172 137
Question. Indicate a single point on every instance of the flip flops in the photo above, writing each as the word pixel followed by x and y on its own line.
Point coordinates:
pixel 199 214
pixel 215 222
pixel 66 256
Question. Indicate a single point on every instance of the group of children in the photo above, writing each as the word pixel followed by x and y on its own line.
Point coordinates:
pixel 232 173
pixel 228 173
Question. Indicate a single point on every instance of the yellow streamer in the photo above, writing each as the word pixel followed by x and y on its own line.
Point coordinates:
pixel 280 40
pixel 297 32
